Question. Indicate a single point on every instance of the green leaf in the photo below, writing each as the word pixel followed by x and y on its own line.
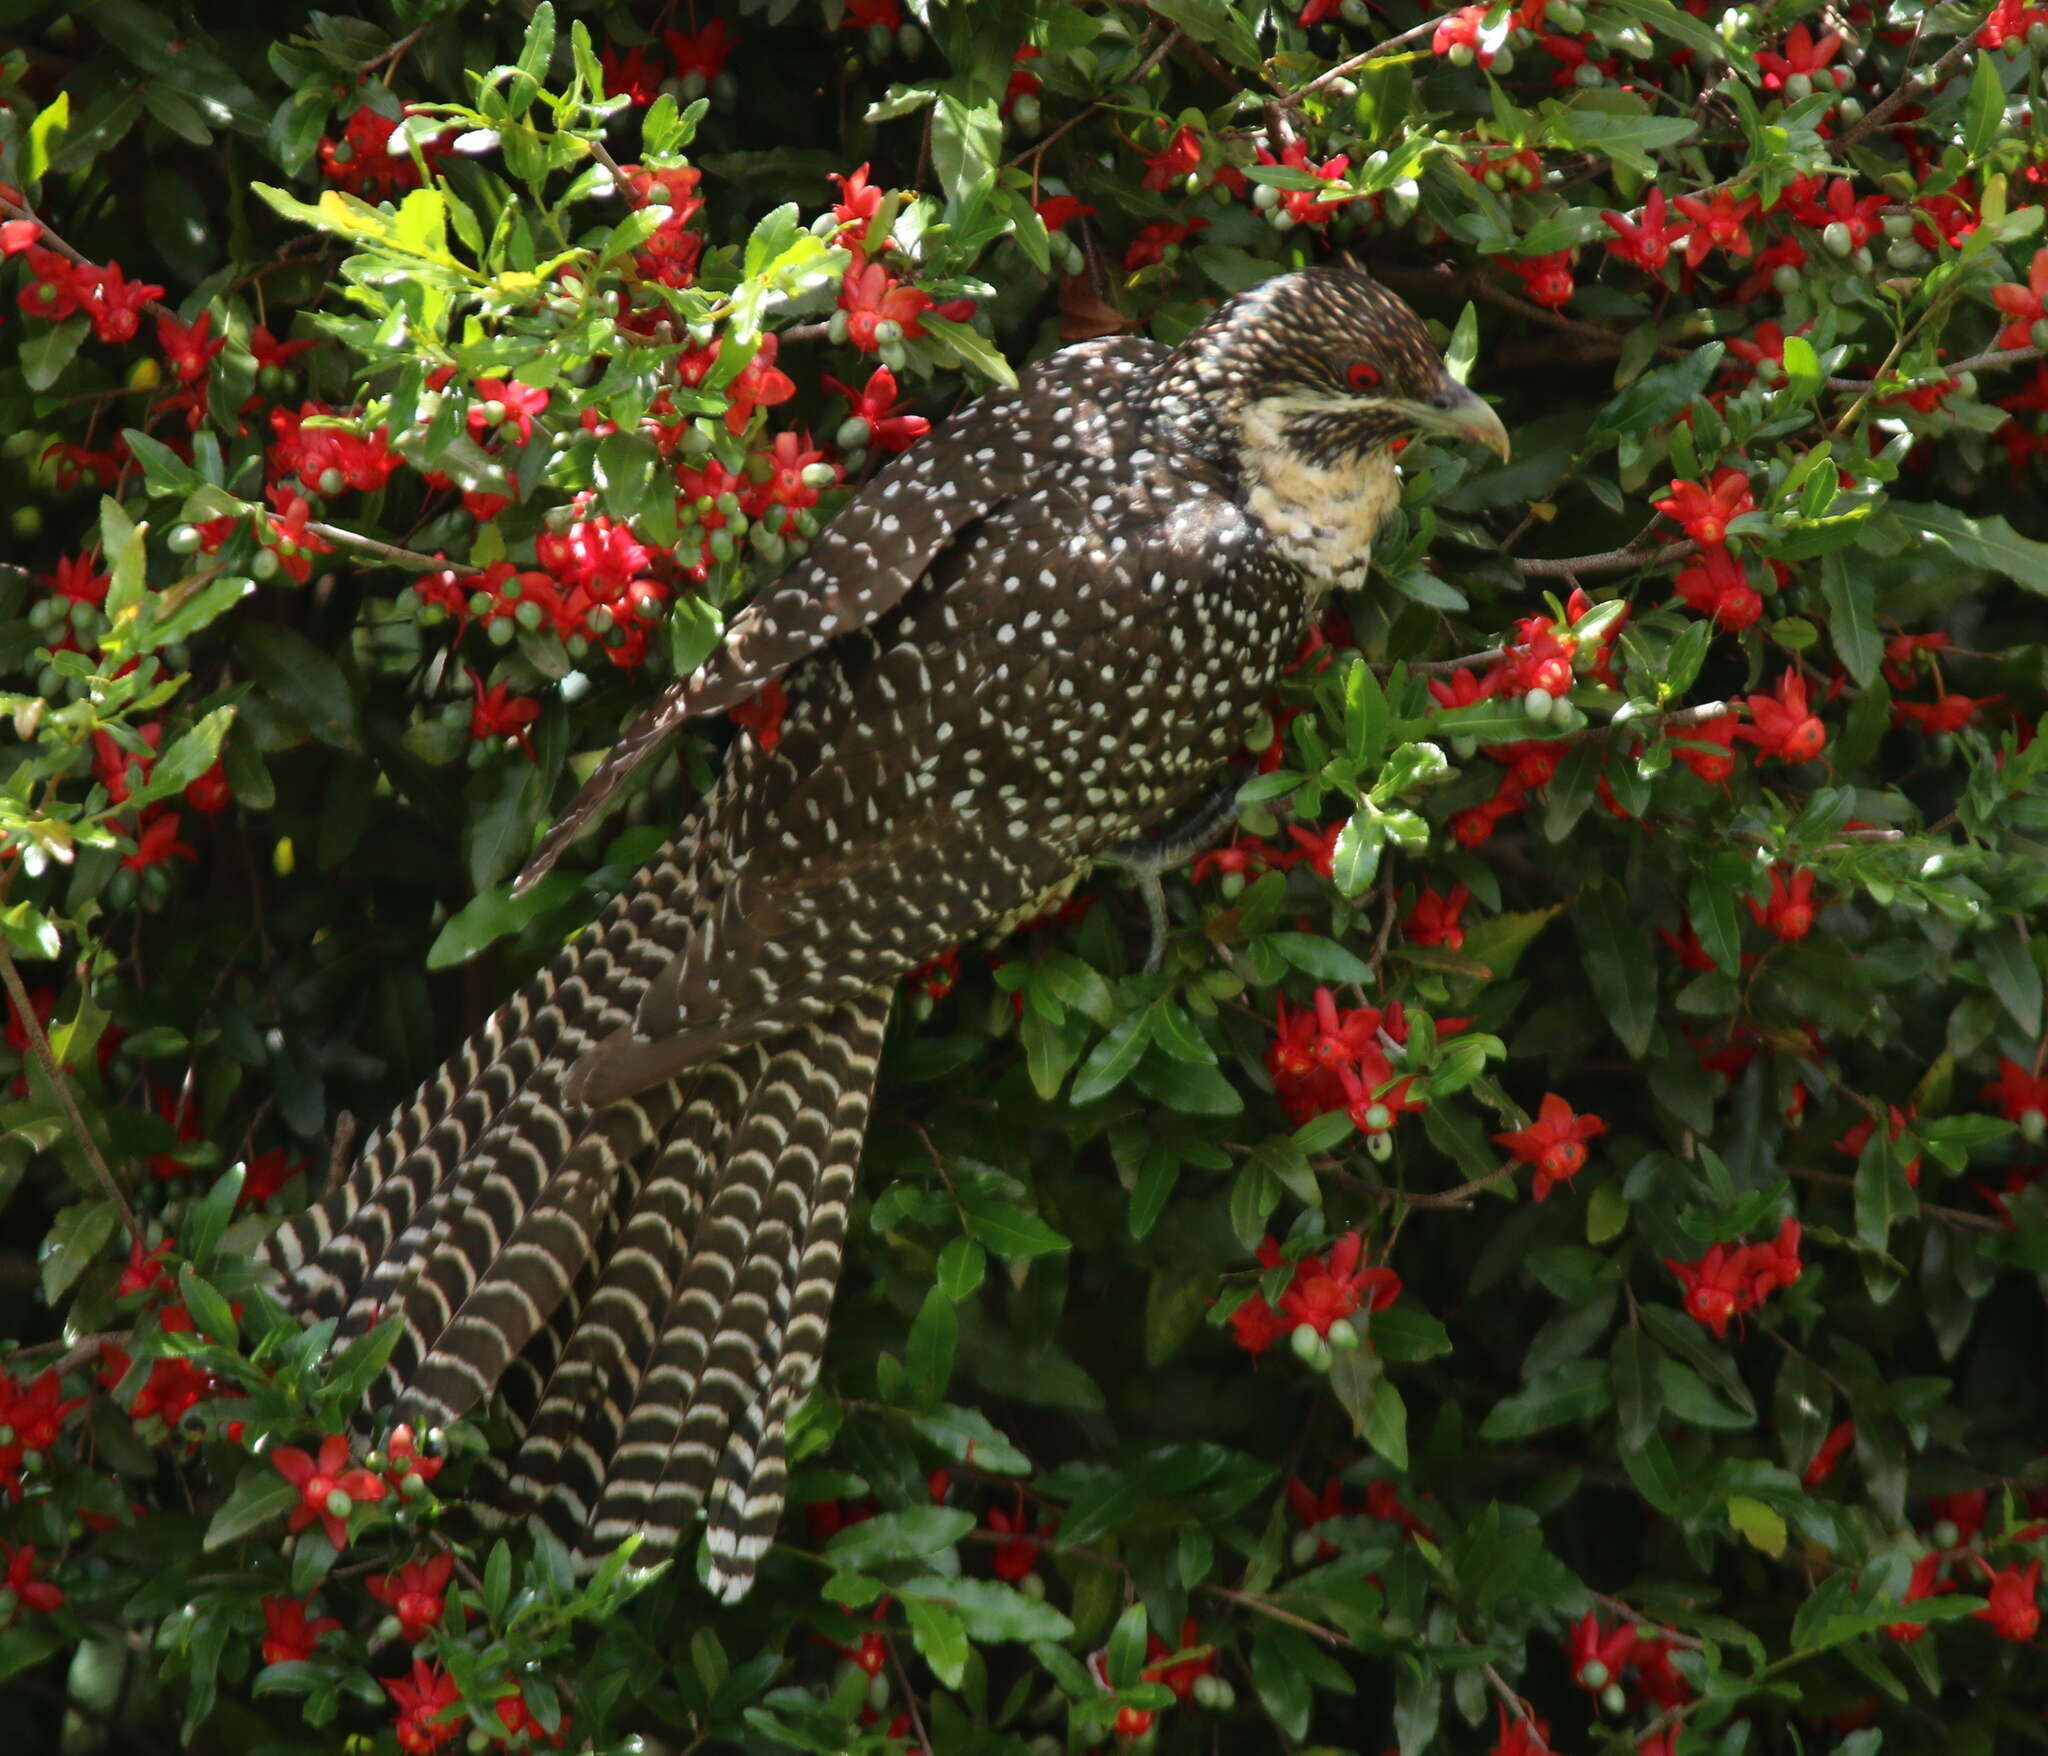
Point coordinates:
pixel 990 1610
pixel 2013 975
pixel 212 1316
pixel 75 1238
pixel 1110 1062
pixel 1157 1176
pixel 49 349
pixel 1008 1230
pixel 1638 1389
pixel 1988 542
pixel 898 1536
pixel 260 1495
pixel 929 1352
pixel 967 140
pixel 1619 964
pixel 939 1637
pixel 962 1263
pixel 302 680
pixel 1576 1391
pixel 967 1436
pixel 1764 1528
pixel 163 470
pixel 1852 617
pixel 971 348
pixel 1321 958
pixel 1984 113
pixel 492 916
pixel 1126 1652
pixel 51 120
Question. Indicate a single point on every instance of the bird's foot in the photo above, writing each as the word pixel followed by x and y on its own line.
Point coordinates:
pixel 1147 857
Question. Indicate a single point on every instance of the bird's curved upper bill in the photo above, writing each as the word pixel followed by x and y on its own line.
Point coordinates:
pixel 1460 414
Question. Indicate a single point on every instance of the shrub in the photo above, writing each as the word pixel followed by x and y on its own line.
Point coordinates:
pixel 1665 821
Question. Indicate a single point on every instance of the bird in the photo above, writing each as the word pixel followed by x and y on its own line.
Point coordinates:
pixel 616 1216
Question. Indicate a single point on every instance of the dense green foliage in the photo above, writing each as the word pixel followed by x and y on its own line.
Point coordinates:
pixel 1208 1374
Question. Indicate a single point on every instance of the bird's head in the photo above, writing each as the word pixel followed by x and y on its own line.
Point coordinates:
pixel 1328 364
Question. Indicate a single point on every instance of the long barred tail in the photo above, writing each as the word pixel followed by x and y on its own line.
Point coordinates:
pixel 647 1284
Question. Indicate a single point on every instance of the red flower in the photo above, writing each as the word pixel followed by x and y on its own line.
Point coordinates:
pixel 701 52
pixel 157 842
pixel 1549 278
pixel 1170 165
pixel 1947 713
pixel 1180 1678
pixel 634 75
pixel 267 350
pixel 1464 38
pixel 267 1173
pixel 288 537
pixel 1706 511
pixel 403 1466
pixel 17 235
pixel 874 408
pixel 114 304
pixel 30 1593
pixel 1789 912
pixel 1328 1289
pixel 1434 919
pixel 37 1413
pixel 1017 1555
pixel 1832 1450
pixel 501 714
pixel 1055 211
pixel 2025 305
pixel 1308 207
pixel 1554 1143
pixel 287 1634
pixel 144 1271
pixel 186 347
pixel 423 1702
pixel 502 403
pixel 519 1720
pixel 1852 1143
pixel 2013 1613
pixel 1717 222
pixel 1782 726
pixel 1922 1585
pixel 871 297
pixel 1725 1283
pixel 1597 1656
pixel 2023 1097
pixel 415 1593
pixel 1153 241
pixel 173 1388
pixel 1520 1737
pixel 763 715
pixel 1802 55
pixel 328 1488
pixel 1717 585
pixel 1708 749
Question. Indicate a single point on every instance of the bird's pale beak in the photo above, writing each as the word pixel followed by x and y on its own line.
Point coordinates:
pixel 1459 413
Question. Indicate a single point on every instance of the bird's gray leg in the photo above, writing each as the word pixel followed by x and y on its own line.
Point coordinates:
pixel 1147 857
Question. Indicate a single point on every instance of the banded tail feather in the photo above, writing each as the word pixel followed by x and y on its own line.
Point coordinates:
pixel 644 1284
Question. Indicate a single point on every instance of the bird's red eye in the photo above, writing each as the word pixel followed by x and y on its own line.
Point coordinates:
pixel 1363 376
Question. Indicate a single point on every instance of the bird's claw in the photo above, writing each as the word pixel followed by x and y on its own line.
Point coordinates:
pixel 1145 858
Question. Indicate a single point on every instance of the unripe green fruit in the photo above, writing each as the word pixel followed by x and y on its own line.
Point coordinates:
pixel 888 330
pixel 1837 238
pixel 2038 333
pixel 1798 86
pixel 265 564
pixel 1785 281
pixel 332 481
pixel 26 522
pixel 2033 1126
pixel 1302 1551
pixel 878 1691
pixel 499 633
pixel 1310 1348
pixel 879 42
pixel 910 40
pixel 600 619
pixel 1280 219
pixel 1028 114
pixel 1898 225
pixel 1353 13
pixel 1593 1675
pixel 1378 1118
pixel 183 539
pixel 1380 1146
pixel 1538 703
pixel 893 356
pixel 1343 1338
pixel 528 615
pixel 1566 16
pixel 1461 55
pixel 852 431
pixel 1503 60
pixel 492 411
pixel 339 1505
pixel 578 648
pixel 1586 76
pixel 691 86
pixel 1033 1587
pixel 1614 1699
pixel 1264 195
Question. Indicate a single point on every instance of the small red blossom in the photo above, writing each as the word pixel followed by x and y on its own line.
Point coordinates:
pixel 1782 725
pixel 1922 1585
pixel 1548 278
pixel 2023 1096
pixel 1181 1677
pixel 1705 511
pixel 1857 1137
pixel 1056 212
pixel 874 407
pixel 1169 167
pixel 403 1463
pixel 425 1702
pixel 701 52
pixel 1716 584
pixel 870 296
pixel 145 1270
pixel 1719 221
pixel 1520 1737
pixel 289 1633
pixel 2014 1612
pixel 1017 1554
pixel 1153 241
pixel 1946 713
pixel 30 1593
pixel 1802 54
pixel 1832 1450
pixel 1788 912
pixel 1434 919
pixel 499 714
pixel 1554 1143
pixel 1725 1282
pixel 763 715
pixel 1707 748
pixel 2026 305
pixel 503 403
pixel 328 1489
pixel 186 346
pixel 1308 207
pixel 415 1593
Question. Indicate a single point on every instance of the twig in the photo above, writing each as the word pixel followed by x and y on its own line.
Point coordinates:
pixel 1955 1218
pixel 1038 148
pixel 1975 363
pixel 20 210
pixel 370 545
pixel 1637 554
pixel 1675 720
pixel 1882 112
pixel 1252 1601
pixel 39 1047
pixel 620 181
pixel 1344 69
pixel 924 1739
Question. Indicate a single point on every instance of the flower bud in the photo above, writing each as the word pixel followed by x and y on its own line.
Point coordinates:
pixel 1343 1338
pixel 1837 238
pixel 1461 55
pixel 1303 1550
pixel 1310 1348
pixel 1798 86
pixel 1264 195
pixel 835 328
pixel 1378 1118
pixel 1537 703
pixel 1946 1534
pixel 1614 1699
pixel 2033 1125
pixel 1027 114
pixel 339 1505
pixel 1593 1675
pixel 1381 1145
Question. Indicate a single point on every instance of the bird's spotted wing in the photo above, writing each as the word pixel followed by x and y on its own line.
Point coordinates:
pixel 956 767
pixel 879 546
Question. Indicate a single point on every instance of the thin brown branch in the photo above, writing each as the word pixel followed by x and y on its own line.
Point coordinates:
pixel 1955 1218
pixel 1365 58
pixel 1637 554
pixel 39 1050
pixel 334 533
pixel 20 210
pixel 1038 148
pixel 1883 111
